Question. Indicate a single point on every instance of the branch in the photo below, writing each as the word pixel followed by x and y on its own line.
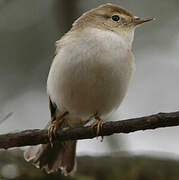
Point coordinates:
pixel 5 117
pixel 34 137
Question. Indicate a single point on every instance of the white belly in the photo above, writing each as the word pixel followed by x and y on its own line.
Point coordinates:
pixel 91 79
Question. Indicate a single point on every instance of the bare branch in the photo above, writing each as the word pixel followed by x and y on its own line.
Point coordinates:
pixel 34 137
pixel 6 117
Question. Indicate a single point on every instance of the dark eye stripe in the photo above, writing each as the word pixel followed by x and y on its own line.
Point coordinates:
pixel 115 18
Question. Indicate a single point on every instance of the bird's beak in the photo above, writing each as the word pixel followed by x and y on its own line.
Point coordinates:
pixel 138 20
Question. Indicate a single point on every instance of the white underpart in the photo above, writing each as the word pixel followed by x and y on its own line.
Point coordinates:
pixel 91 73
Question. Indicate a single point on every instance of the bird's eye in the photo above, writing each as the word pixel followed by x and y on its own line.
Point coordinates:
pixel 115 18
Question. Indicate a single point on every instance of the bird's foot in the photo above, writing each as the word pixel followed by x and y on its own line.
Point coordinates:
pixel 52 131
pixel 54 126
pixel 99 123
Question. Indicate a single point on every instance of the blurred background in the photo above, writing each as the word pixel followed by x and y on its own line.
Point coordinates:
pixel 28 31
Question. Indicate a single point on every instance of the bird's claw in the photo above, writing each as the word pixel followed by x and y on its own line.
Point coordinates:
pixel 99 123
pixel 52 132
pixel 54 126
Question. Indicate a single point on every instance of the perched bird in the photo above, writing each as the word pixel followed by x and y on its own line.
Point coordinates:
pixel 88 79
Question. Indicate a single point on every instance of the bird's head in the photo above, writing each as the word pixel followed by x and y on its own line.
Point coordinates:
pixel 110 17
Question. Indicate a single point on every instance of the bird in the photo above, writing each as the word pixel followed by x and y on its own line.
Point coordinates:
pixel 88 80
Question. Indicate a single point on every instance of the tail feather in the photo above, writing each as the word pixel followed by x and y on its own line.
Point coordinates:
pixel 60 156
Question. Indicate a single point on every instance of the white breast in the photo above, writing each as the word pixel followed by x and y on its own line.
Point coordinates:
pixel 90 73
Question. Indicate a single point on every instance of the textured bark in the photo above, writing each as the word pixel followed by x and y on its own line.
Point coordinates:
pixel 34 137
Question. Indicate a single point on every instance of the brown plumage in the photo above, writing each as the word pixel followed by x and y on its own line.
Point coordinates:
pixel 86 88
pixel 97 16
pixel 62 155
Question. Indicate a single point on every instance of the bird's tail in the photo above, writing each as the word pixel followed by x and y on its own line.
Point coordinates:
pixel 61 156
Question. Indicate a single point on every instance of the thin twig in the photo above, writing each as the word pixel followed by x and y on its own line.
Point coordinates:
pixel 5 117
pixel 34 137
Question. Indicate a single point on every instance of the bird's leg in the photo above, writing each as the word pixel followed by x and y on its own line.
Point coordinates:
pixel 54 126
pixel 99 123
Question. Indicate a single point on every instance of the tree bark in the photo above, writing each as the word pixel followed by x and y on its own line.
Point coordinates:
pixel 36 136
